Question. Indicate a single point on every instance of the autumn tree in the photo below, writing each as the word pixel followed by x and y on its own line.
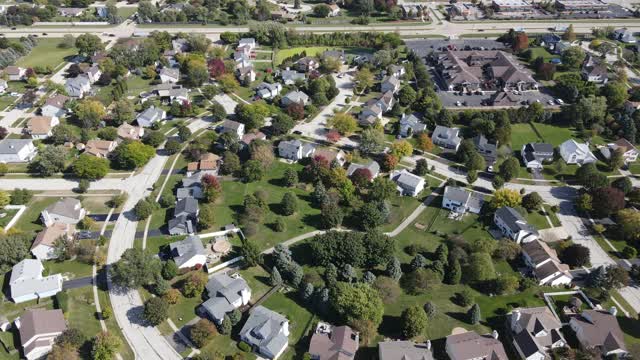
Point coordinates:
pixel 506 197
pixel 423 142
pixel 343 122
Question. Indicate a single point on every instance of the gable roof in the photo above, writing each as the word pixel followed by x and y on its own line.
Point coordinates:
pixel 471 345
pixel 35 322
pixel 49 235
pixel 264 328
pixel 40 124
pixel 372 166
pixel 404 350
pixel 600 328
pixel 57 100
pixel 514 221
pixel 186 249
pixel 538 251
pixel 67 207
pixel 333 343
pixel 187 205
pixel 447 135
pixel 223 291
pixel 13 146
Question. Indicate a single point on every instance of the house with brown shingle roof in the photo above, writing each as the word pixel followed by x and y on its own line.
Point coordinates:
pixel 43 247
pixel 629 151
pixel 15 73
pixel 100 148
pixel 404 350
pixel 38 330
pixel 208 163
pixel 41 127
pixel 54 106
pixel 545 265
pixel 332 343
pixel 128 131
pixel 598 329
pixel 535 331
pixel 471 345
pixel 330 155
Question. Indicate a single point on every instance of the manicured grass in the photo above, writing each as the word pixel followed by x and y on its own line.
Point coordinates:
pixel 46 53
pixel 82 312
pixel 96 204
pixel 9 214
pixel 127 11
pixel 30 219
pixel 312 51
pixel 555 135
pixel 156 243
pixel 69 268
pixel 554 218
pixel 6 100
pixel 537 219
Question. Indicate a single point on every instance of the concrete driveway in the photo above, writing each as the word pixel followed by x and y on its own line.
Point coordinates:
pixel 227 103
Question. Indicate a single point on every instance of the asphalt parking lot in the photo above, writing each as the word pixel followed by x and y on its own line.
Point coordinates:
pixel 423 47
pixel 451 99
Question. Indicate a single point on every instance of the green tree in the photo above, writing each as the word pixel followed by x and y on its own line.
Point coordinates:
pixel 123 112
pixel 250 252
pixel 321 10
pixel 364 80
pixel 480 267
pixel 282 124
pixel 343 122
pixel 169 270
pixel 289 204
pixel 371 141
pixel 275 278
pixel 206 218
pixel 13 248
pixel 202 332
pixel 401 148
pixel 135 268
pixel 590 177
pixel 90 167
pixel 230 164
pixel 532 201
pixel 156 310
pixel 88 44
pixel 290 177
pixel 453 273
pixel 476 162
pixel 90 112
pixel 358 301
pixel 474 314
pixel 509 168
pixel 506 197
pixel 573 57
pixel 143 209
pixel 130 155
pixel 225 327
pixel 414 321
pixel 616 94
pixel 253 171
pixel 49 161
pixel 197 73
pixel 105 346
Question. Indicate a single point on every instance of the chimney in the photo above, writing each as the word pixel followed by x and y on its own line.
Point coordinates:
pixel 613 311
pixel 515 317
pixel 428 344
pixel 495 334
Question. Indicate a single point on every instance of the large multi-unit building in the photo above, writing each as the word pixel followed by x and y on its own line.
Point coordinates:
pixel 581 5
pixel 520 6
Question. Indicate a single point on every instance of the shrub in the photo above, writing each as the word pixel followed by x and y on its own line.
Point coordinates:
pixel 244 346
pixel 172 296
pixel 106 313
pixel 83 186
pixel 202 332
pixel 629 252
pixel 62 301
pixel 464 297
pixel 156 310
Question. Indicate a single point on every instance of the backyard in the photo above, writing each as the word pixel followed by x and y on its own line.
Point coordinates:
pixel 46 53
pixel 282 54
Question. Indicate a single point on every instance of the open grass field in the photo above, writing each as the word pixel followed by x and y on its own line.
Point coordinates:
pixel 46 53
pixel 82 312
pixel 522 134
pixel 313 51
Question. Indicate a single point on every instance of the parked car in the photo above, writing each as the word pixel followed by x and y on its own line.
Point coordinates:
pixel 559 101
pixel 85 234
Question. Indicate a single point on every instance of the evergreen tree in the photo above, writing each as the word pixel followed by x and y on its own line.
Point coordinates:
pixel 453 273
pixel 348 273
pixel 418 262
pixel 275 279
pixel 225 326
pixel 430 309
pixel 234 316
pixel 474 314
pixel 306 291
pixel 597 278
pixel 368 277
pixel 319 194
pixel 295 274
pixel 394 269
pixel 331 275
pixel 442 253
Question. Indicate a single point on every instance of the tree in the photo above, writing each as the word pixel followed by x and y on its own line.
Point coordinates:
pixel 506 284
pixel 371 215
pixel 401 148
pixel 453 273
pixel 169 270
pixel 331 215
pixel 262 151
pixel 290 177
pixel 576 256
pixel 616 94
pixel 123 112
pixel 202 332
pixel 206 217
pixel 295 111
pixel 364 80
pixel 90 167
pixel 629 224
pixel 230 164
pixel 475 162
pixel 275 279
pixel 407 95
pixel 474 314
pixel 616 160
pixel 282 123
pixel 195 284
pixel 369 278
pixel 357 302
pixel 184 133
pixel 252 115
pixel 506 197
pixel 250 252
pixel 509 168
pixel 629 252
pixel 135 268
pixel 143 209
pixel 343 122
pixel 389 162
pixel 61 134
pixel 420 281
pixel 371 141
pixel 90 112
pixel 472 176
pixel 88 44
pixel 225 327
pixel 289 204
pixel 569 34
pixel 418 262
pixel 584 202
pixel 63 351
pixel 480 267
pixel 13 248
pixel 423 142
pixel 105 346
pixel 617 277
pixel 153 138
pixel 228 83
pixel 235 316
pixel 253 171
pixel 130 155
pixel 197 73
pixel 623 184
pixel 573 57
pixel 422 167
pixel 394 269
pixel 49 161
pixel 532 201
pixel 608 199
pixel 156 310
pixel 414 321
pixel 21 196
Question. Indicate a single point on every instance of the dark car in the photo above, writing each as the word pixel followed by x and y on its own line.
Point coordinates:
pixel 85 234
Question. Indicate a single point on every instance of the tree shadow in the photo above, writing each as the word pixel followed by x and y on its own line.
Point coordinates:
pixel 460 316
pixel 390 326
pixel 135 315
pixel 314 221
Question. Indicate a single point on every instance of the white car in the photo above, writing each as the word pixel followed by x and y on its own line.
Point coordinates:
pixel 550 102
pixel 458 103
pixel 559 101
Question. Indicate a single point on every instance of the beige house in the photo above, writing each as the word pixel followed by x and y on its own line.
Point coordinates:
pixel 100 148
pixel 43 247
pixel 38 330
pixel 41 127
pixel 128 131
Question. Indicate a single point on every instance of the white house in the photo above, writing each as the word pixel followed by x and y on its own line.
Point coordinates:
pixel 43 247
pixel 545 265
pixel 151 116
pixel 459 200
pixel 535 332
pixel 27 283
pixel 373 167
pixel 38 329
pixel 189 252
pixel 407 183
pixel 266 331
pixel 41 127
pixel 233 127
pixel 514 226
pixel 334 10
pixel 226 293
pixel 574 152
pixel 390 83
pixel 268 91
pixel 534 155
pixel 248 42
pixel 66 211
pixel 54 106
pixel 15 73
pixel 17 150
pixel 93 73
pixel 78 86
pixel 629 151
pixel 295 150
pixel 446 137
pixel 295 97
pixel 3 86
pixel 169 75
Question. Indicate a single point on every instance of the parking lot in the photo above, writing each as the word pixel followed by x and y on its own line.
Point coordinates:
pixel 424 47
pixel 454 100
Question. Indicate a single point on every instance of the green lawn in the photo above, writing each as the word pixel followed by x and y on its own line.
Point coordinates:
pixel 46 53
pixel 538 220
pixel 127 11
pixel 522 134
pixel 6 100
pixel 30 219
pixel 96 204
pixel 313 51
pixel 68 268
pixel 8 215
pixel 82 311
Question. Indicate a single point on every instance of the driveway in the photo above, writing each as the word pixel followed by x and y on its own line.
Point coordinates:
pixel 227 103
pixel 77 283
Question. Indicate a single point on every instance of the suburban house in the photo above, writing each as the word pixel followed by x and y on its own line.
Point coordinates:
pixel 27 283
pixel 268 91
pixel 38 329
pixel 307 64
pixel 169 75
pixel 535 331
pixel 43 247
pixel 446 137
pixel 407 183
pixel 191 186
pixel 3 85
pixel 226 293
pixel 266 331
pixel 334 54
pixel 397 70
pixel 247 74
pixel 54 106
pixel 150 116
pixel 373 167
pixel 594 70
pixel 40 127
pixel 17 150
pixel 290 77
pixel 70 11
pixel 404 350
pixel 77 87
pixel 487 149
pixel 514 226
pixel 334 10
pixel 208 163
pixel 574 152
pixel 189 252
pixel 331 155
pixel 545 265
pixel 598 329
pixel 66 210
pixel 549 41
pixel 390 83
pixel 182 225
pixel 185 216
pixel 248 42
pixel 100 148
pixel 471 346
pixel 232 127
pixel 252 136
pixel 15 73
pixel 370 114
pixel 629 151
pixel 130 132
pixel 295 150
pixel 333 342
pixel 409 125
pixel 188 206
pixel 93 73
pixel 534 155
pixel 180 45
pixel 295 97
pixel 461 201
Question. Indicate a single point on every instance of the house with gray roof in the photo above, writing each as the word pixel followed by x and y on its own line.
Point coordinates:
pixel 598 329
pixel 407 183
pixel 404 350
pixel 574 152
pixel 295 97
pixel 397 70
pixel 410 125
pixel 67 211
pixel 17 150
pixel 372 166
pixel 232 127
pixel 390 83
pixel 535 331
pixel 169 75
pixel 295 150
pixel 461 201
pixel 330 342
pixel 226 293
pixel 27 283
pixel 189 252
pixel 487 149
pixel 446 137
pixel 78 86
pixel 187 206
pixel 184 192
pixel 181 225
pixel 471 345
pixel 38 329
pixel 150 116
pixel 268 91
pixel 534 155
pixel 266 331
pixel 185 216
pixel 290 77
pixel 624 35
pixel 514 226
